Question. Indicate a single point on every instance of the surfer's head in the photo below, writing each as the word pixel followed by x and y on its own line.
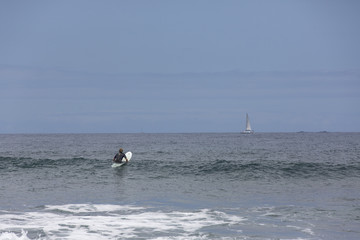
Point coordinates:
pixel 121 150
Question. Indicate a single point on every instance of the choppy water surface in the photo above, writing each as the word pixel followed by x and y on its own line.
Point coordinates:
pixel 181 186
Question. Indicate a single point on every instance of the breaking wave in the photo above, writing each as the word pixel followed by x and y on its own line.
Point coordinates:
pixel 91 221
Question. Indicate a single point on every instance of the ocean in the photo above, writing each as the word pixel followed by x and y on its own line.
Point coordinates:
pixel 180 186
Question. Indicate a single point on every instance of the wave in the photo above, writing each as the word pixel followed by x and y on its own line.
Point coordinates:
pixel 245 170
pixel 254 170
pixel 96 221
pixel 109 221
pixel 18 163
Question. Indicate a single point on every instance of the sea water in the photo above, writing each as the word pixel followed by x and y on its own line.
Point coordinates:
pixel 180 186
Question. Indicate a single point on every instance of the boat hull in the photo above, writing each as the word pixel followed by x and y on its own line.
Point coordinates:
pixel 248 132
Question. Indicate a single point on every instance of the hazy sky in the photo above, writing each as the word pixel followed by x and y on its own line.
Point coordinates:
pixel 179 66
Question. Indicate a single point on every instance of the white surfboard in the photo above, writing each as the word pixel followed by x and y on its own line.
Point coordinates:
pixel 123 161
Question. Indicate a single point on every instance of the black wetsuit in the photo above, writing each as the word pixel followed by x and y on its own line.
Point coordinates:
pixel 118 157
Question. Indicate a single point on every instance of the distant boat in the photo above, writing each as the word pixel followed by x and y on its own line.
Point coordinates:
pixel 248 129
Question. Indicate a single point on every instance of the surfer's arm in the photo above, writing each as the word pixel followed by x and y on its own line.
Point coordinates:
pixel 126 159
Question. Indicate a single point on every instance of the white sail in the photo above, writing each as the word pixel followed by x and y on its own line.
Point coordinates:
pixel 248 129
pixel 248 126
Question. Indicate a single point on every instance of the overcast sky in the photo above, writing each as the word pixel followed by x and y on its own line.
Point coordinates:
pixel 179 66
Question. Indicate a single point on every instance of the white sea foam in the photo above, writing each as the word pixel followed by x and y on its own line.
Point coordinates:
pixel 89 221
pixel 87 208
pixel 13 236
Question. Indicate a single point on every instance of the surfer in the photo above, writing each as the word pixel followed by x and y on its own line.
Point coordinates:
pixel 119 156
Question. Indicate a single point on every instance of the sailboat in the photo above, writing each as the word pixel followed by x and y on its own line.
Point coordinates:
pixel 248 129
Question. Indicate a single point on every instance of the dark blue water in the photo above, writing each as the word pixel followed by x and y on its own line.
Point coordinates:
pixel 180 186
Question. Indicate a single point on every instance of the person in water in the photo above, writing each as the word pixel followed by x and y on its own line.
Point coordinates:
pixel 119 156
